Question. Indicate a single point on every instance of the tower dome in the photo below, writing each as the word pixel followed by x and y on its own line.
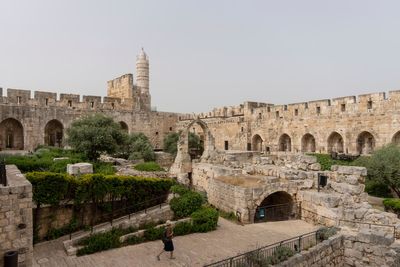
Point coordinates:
pixel 142 55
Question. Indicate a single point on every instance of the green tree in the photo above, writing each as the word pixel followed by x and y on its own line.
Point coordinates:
pixel 384 167
pixel 138 146
pixel 95 134
pixel 171 143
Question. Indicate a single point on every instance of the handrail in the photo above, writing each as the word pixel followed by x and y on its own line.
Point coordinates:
pixel 270 246
pixel 105 215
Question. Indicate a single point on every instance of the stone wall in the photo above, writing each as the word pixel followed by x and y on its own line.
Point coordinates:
pixel 348 124
pixel 27 119
pixel 371 247
pixel 329 253
pixel 151 215
pixel 16 217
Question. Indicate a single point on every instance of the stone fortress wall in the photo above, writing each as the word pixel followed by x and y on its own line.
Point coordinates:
pixel 26 121
pixel 352 125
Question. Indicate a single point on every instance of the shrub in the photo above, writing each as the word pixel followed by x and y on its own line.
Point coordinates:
pixel 179 189
pixel 377 188
pixel 170 143
pixel 325 232
pixel 281 254
pixel 392 204
pixel 205 219
pixel 186 204
pixel 150 166
pixel 183 228
pixel 100 242
pixel 228 215
pixel 138 146
pixel 154 233
pixel 133 240
pixel 326 161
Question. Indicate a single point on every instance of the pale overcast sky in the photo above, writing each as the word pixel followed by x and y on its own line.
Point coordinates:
pixel 205 53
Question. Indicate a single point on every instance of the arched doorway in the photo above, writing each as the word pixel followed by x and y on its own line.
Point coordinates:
pixel 335 143
pixel 124 126
pixel 53 133
pixel 11 135
pixel 285 143
pixel 308 143
pixel 365 143
pixel 396 138
pixel 275 207
pixel 256 143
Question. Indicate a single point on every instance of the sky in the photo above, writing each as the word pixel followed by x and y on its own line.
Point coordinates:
pixel 203 54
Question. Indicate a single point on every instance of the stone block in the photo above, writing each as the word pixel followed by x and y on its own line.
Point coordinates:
pixel 79 168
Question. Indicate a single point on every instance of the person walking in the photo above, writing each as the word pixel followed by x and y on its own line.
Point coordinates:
pixel 167 240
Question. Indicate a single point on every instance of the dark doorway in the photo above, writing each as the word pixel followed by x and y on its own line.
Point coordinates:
pixel 226 145
pixel 278 206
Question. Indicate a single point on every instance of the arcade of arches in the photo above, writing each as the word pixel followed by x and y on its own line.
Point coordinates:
pixel 11 135
pixel 53 133
pixel 277 206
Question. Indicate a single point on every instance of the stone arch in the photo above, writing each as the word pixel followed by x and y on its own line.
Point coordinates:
pixel 285 143
pixel 365 143
pixel 11 135
pixel 308 143
pixel 335 143
pixel 124 126
pixel 182 166
pixel 257 143
pixel 277 206
pixel 396 138
pixel 54 133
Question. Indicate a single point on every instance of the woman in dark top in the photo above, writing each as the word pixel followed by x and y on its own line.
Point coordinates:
pixel 167 240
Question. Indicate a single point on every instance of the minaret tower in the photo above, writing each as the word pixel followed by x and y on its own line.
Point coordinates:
pixel 142 80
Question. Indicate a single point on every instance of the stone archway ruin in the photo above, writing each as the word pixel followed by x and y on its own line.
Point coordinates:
pixel 11 135
pixel 53 133
pixel 257 143
pixel 308 143
pixel 285 143
pixel 182 166
pixel 335 143
pixel 365 143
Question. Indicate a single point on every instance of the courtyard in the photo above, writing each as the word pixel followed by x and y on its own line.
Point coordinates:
pixel 196 249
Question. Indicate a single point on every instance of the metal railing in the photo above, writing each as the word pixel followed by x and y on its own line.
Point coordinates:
pixel 256 257
pixel 278 212
pixel 125 212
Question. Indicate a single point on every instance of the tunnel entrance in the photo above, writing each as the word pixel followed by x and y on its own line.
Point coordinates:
pixel 278 206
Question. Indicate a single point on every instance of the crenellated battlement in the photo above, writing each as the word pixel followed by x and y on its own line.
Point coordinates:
pixel 50 99
pixel 348 105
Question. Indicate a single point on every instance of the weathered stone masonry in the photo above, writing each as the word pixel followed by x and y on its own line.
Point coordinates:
pixel 16 217
pixel 354 125
pixel 26 122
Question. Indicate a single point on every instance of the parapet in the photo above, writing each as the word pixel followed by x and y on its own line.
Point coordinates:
pixel 49 99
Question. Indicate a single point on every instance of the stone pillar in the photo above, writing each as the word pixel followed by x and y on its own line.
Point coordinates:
pixel 16 226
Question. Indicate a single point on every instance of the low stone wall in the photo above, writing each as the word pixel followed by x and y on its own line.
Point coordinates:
pixel 329 253
pixel 16 231
pixel 151 215
pixel 370 247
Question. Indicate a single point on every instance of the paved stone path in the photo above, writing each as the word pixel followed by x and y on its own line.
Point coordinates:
pixel 191 250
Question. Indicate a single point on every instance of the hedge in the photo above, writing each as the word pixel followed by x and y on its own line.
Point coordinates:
pixel 205 219
pixel 186 204
pixel 95 188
